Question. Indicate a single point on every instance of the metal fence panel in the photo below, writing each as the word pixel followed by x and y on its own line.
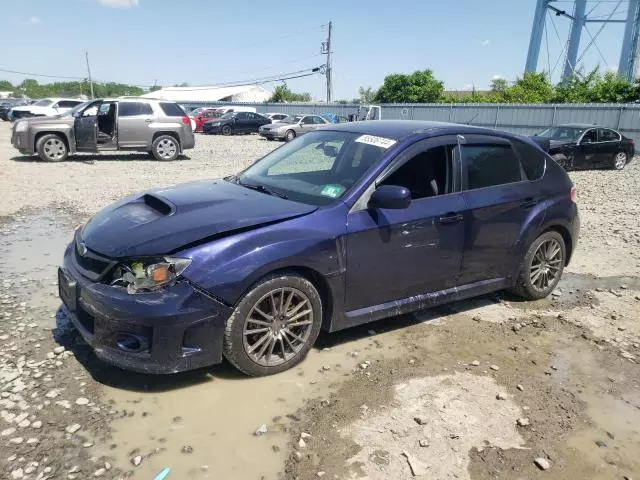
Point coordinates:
pixel 516 118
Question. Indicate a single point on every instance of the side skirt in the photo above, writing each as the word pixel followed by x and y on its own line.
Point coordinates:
pixel 418 302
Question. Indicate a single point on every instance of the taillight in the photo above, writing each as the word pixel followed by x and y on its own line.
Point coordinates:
pixel 186 120
pixel 574 195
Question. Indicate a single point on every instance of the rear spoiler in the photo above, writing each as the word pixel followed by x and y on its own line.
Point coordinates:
pixel 543 143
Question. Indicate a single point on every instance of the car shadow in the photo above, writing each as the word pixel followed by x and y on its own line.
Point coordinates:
pixel 66 335
pixel 91 159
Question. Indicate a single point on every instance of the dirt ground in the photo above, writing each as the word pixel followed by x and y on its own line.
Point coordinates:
pixel 476 390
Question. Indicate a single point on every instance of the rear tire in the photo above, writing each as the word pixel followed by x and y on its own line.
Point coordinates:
pixel 620 160
pixel 542 267
pixel 52 148
pixel 274 326
pixel 165 148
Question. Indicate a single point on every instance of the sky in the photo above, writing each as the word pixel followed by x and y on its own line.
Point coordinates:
pixel 202 42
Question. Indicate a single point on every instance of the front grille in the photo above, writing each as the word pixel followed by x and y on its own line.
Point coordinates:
pixel 91 265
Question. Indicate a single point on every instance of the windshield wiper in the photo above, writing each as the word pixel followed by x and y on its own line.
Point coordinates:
pixel 261 188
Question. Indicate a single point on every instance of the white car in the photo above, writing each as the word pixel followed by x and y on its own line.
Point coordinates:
pixel 276 117
pixel 47 107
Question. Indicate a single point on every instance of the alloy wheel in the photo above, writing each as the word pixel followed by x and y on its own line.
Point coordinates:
pixel 166 148
pixel 546 265
pixel 278 326
pixel 620 161
pixel 55 149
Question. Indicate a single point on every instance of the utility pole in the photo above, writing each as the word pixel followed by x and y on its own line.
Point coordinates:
pixel 89 73
pixel 328 67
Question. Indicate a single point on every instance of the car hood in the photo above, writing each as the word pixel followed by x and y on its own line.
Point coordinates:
pixel 161 221
pixel 279 126
pixel 556 144
pixel 58 119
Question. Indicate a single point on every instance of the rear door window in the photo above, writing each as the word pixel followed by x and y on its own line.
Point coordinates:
pixel 172 109
pixel 132 109
pixel 490 165
pixel 533 160
pixel 607 135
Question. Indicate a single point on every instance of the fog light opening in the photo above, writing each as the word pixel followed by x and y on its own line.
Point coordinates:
pixel 131 343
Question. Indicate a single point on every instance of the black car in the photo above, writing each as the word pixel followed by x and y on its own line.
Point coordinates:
pixel 4 111
pixel 236 122
pixel 579 146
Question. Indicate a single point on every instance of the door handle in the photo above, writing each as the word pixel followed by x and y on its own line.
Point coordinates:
pixel 148 120
pixel 451 218
pixel 529 202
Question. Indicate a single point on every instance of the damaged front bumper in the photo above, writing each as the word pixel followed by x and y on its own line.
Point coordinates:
pixel 170 330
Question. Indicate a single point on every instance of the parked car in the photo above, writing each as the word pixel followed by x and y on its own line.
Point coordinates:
pixel 579 146
pixel 47 107
pixel 292 127
pixel 235 122
pixel 134 124
pixel 204 115
pixel 276 117
pixel 345 225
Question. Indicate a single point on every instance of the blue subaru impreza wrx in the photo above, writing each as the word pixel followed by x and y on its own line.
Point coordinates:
pixel 345 225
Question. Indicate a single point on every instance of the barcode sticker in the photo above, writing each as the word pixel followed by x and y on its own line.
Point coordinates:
pixel 376 141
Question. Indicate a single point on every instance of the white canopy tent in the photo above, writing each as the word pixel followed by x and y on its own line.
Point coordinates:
pixel 246 93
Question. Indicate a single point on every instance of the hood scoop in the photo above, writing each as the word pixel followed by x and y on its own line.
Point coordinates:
pixel 159 204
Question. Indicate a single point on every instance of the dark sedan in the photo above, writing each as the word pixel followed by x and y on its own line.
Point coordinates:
pixel 345 225
pixel 236 122
pixel 578 146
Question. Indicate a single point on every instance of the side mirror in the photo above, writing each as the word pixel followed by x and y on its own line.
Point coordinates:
pixel 391 197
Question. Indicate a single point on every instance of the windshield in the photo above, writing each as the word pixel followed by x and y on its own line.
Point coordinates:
pixel 194 113
pixel 227 115
pixel 563 133
pixel 291 119
pixel 77 108
pixel 43 103
pixel 317 168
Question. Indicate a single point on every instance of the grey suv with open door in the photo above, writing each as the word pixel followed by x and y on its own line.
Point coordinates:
pixel 126 124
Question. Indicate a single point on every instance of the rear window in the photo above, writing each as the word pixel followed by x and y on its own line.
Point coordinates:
pixel 533 160
pixel 172 109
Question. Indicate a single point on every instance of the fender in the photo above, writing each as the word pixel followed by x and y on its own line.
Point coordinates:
pixel 63 130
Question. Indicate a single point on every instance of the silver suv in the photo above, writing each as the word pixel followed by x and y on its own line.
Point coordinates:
pixel 159 127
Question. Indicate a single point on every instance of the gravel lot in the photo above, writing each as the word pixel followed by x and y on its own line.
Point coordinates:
pixel 481 389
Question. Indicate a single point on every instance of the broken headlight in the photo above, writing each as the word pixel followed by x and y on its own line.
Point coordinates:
pixel 149 274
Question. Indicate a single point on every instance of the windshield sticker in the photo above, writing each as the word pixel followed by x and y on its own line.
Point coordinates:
pixel 376 141
pixel 333 191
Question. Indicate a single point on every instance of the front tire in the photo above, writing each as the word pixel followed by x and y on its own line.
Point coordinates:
pixel 274 326
pixel 165 148
pixel 620 160
pixel 290 135
pixel 541 267
pixel 52 148
pixel 226 130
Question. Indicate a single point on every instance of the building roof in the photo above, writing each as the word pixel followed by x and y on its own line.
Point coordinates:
pixel 210 93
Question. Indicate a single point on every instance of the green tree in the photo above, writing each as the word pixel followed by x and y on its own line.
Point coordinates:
pixel 612 88
pixel 282 94
pixel 499 85
pixel 5 86
pixel 367 95
pixel 531 88
pixel 155 88
pixel 418 87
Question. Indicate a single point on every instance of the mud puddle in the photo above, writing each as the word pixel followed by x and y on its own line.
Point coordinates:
pixel 204 422
pixel 32 248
